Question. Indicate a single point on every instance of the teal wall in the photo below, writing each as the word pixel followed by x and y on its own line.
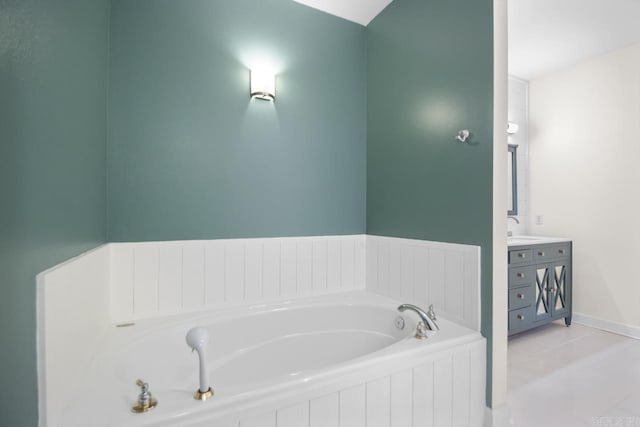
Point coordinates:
pixel 53 83
pixel 178 150
pixel 430 74
pixel 192 157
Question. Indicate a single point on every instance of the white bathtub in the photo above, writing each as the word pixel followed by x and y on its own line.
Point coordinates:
pixel 325 354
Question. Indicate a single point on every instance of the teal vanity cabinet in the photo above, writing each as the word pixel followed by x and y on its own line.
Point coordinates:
pixel 539 283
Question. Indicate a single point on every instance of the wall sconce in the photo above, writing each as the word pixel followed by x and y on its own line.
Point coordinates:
pixel 512 128
pixel 263 85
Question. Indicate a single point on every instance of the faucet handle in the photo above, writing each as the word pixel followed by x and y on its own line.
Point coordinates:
pixel 421 330
pixel 144 390
pixel 145 401
pixel 432 313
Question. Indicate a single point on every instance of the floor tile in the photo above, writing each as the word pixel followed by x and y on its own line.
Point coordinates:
pixel 575 376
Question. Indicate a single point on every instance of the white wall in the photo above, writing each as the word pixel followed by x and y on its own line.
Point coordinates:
pixel 584 154
pixel 497 390
pixel 519 114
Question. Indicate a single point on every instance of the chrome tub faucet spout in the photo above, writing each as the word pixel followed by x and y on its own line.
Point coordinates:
pixel 427 320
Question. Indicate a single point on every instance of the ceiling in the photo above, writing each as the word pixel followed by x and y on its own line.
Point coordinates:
pixel 544 35
pixel 360 11
pixel 547 35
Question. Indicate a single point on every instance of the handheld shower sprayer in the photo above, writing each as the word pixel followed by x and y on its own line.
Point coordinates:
pixel 198 340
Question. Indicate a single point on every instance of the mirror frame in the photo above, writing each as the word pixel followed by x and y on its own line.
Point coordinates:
pixel 513 209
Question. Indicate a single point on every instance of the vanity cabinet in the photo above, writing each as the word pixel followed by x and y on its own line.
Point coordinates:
pixel 539 285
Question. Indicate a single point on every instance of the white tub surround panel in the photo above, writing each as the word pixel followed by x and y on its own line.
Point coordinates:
pixel 421 272
pixel 152 279
pixel 80 301
pixel 72 319
pixel 444 390
pixel 162 278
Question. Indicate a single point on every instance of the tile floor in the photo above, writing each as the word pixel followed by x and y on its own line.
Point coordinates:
pixel 570 377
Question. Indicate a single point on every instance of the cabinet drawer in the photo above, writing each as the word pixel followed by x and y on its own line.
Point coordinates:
pixel 521 297
pixel 521 275
pixel 552 251
pixel 520 319
pixel 562 250
pixel 520 256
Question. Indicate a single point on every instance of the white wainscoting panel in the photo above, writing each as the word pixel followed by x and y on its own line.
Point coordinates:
pixel 122 282
pixel 294 416
pixel 446 390
pixel 401 406
pixel 151 279
pixel 169 272
pixel 423 396
pixel 324 411
pixel 264 420
pixel 379 402
pixel 72 318
pixel 421 272
pixel 353 406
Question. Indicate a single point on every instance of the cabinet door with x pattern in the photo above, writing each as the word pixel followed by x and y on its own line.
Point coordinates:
pixel 543 301
pixel 553 288
pixel 560 288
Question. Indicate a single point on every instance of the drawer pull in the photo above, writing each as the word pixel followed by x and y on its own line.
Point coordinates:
pixel 520 316
pixel 521 296
pixel 562 251
pixel 541 253
pixel 522 255
pixel 520 275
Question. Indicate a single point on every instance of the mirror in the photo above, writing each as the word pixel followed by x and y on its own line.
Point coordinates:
pixel 512 180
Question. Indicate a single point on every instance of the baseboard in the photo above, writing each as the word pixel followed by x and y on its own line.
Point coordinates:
pixel 607 325
pixel 497 417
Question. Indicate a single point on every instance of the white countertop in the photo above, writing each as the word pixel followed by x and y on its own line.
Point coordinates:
pixel 534 240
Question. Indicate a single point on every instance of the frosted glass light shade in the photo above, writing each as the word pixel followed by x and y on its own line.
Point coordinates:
pixel 263 85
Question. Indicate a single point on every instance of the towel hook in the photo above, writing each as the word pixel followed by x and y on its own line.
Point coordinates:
pixel 463 135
